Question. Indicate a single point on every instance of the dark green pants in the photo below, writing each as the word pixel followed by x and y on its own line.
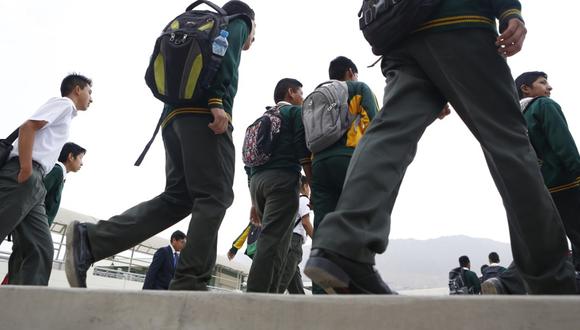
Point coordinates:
pixel 568 204
pixel 22 212
pixel 464 68
pixel 291 278
pixel 328 176
pixel 199 172
pixel 275 196
pixel 327 180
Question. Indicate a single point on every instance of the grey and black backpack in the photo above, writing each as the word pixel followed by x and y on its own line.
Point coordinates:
pixel 325 115
pixel 457 282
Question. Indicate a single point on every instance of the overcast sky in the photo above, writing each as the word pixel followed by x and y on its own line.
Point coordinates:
pixel 447 189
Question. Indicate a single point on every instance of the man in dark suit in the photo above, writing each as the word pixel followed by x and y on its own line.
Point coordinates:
pixel 164 262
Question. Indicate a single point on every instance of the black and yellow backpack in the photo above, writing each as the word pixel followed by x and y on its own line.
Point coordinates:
pixel 183 62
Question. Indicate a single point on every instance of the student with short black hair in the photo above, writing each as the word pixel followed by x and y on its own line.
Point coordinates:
pixel 471 280
pixel 559 162
pixel 199 170
pixel 330 165
pixel 342 68
pixel 69 160
pixel 460 61
pixel 165 259
pixel 556 150
pixel 274 189
pixel 22 187
pixel 494 269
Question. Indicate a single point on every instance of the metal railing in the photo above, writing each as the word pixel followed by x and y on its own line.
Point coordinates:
pixel 230 281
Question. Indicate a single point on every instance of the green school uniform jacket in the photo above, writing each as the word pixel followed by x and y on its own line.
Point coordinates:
pixel 362 103
pixel 54 183
pixel 225 85
pixel 549 134
pixel 459 14
pixel 472 282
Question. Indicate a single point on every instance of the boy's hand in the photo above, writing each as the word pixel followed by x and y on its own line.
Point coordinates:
pixel 255 218
pixel 220 121
pixel 24 173
pixel 230 255
pixel 445 112
pixel 511 41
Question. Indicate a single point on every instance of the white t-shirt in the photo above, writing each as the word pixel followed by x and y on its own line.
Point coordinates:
pixel 48 141
pixel 303 209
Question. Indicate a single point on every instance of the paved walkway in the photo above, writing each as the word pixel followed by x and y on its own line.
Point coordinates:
pixel 78 309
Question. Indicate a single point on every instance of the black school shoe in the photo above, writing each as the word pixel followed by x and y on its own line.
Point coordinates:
pixel 339 275
pixel 78 257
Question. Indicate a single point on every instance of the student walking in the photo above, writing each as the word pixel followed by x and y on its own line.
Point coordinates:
pixel 69 160
pixel 22 189
pixel 461 62
pixel 199 170
pixel 274 189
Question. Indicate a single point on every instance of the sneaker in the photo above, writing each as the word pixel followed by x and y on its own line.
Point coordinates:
pixel 339 275
pixel 492 286
pixel 78 256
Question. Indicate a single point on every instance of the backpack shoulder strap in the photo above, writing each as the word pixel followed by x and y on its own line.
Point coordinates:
pixel 12 137
pixel 146 149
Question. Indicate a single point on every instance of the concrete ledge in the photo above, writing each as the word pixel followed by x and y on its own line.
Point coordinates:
pixel 49 308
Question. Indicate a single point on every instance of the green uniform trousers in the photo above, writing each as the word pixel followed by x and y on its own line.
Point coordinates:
pixel 22 212
pixel 464 68
pixel 291 278
pixel 275 195
pixel 199 169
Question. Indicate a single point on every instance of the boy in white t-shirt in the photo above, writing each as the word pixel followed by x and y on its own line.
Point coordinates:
pixel 22 190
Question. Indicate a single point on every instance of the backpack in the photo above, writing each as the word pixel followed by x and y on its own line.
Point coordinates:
pixel 183 65
pixel 490 272
pixel 252 241
pixel 457 282
pixel 261 137
pixel 384 23
pixel 325 115
pixel 6 147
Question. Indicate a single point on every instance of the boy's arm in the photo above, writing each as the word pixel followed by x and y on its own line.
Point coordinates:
pixel 26 136
pixel 369 101
pixel 511 26
pixel 304 214
pixel 299 142
pixel 505 10
pixel 239 242
pixel 307 224
pixel 238 32
pixel 558 136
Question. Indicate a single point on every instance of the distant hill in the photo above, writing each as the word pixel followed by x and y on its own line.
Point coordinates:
pixel 412 264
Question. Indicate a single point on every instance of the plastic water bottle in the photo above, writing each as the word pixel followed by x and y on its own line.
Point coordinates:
pixel 220 43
